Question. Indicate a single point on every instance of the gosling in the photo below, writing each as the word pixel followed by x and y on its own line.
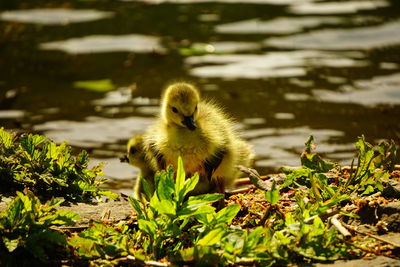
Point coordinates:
pixel 136 156
pixel 202 134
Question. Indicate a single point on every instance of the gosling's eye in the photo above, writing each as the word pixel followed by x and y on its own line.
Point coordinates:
pixel 174 110
pixel 132 150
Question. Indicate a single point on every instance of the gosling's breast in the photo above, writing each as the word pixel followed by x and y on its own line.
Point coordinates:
pixel 191 146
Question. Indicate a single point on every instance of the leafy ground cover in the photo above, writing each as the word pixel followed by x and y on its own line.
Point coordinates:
pixel 317 213
pixel 35 163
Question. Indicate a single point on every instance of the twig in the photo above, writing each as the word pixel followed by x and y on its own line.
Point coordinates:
pixel 265 216
pixel 105 215
pixel 72 228
pixel 256 179
pixel 240 190
pixel 137 262
pixel 156 263
pixel 244 262
pixel 346 168
pixel 368 250
pixel 352 228
pixel 246 180
pixel 323 217
pixel 335 222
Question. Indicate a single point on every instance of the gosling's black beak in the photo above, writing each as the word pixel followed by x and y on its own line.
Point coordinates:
pixel 188 121
pixel 124 158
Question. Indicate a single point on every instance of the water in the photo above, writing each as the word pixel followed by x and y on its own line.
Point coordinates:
pixel 284 69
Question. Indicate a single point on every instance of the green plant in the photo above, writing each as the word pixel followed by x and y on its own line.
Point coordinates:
pixel 372 167
pixel 171 211
pixel 312 160
pixel 170 226
pixel 102 241
pixel 25 227
pixel 187 230
pixel 35 163
pixel 312 174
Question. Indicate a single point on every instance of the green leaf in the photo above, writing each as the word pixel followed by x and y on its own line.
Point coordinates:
pixel 30 142
pixel 368 190
pixel 165 185
pixel 189 185
pixel 289 219
pixel 61 217
pixel 227 214
pixel 198 204
pixel 335 200
pixel 194 209
pixel 318 223
pixel 12 244
pixel 147 188
pixel 180 180
pixel 206 218
pixel 109 194
pixel 95 85
pixel 255 236
pixel 213 237
pixel 273 196
pixel 14 211
pixel 38 164
pixel 295 175
pixel 206 198
pixel 313 160
pixel 147 226
pixel 136 206
pixel 6 139
pixel 166 207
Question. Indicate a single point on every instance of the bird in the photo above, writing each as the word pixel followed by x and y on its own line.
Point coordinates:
pixel 136 156
pixel 202 134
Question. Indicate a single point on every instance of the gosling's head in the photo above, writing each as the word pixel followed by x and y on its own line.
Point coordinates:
pixel 179 105
pixel 135 151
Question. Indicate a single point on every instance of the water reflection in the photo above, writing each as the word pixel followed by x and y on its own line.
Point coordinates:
pixel 261 2
pixel 119 171
pixel 101 136
pixel 282 25
pixel 114 98
pixel 282 147
pixel 11 114
pixel 273 64
pixel 121 175
pixel 225 47
pixel 107 43
pixel 94 131
pixel 359 38
pixel 285 69
pixel 54 16
pixel 344 7
pixel 378 90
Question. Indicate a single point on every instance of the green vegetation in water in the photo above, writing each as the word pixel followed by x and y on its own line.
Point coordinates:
pixel 104 85
pixel 33 162
pixel 174 227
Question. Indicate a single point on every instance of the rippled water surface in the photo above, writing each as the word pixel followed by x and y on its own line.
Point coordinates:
pixel 91 72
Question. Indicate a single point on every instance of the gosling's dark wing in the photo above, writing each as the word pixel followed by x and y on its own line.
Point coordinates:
pixel 158 156
pixel 212 163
